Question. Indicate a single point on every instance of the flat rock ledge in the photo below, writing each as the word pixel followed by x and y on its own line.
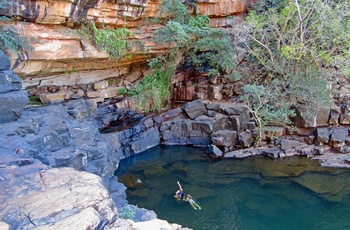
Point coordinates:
pixel 36 197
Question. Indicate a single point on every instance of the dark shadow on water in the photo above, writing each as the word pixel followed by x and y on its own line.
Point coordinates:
pixel 252 193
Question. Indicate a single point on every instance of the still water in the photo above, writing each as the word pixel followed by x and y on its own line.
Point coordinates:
pixel 252 193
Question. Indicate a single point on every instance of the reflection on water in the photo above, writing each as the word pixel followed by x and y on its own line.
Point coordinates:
pixel 252 193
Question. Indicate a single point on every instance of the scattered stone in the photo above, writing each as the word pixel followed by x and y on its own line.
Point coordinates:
pixel 334 117
pixel 194 109
pixel 273 152
pixel 344 118
pixel 305 131
pixel 245 139
pixel 215 92
pixel 147 140
pixel 213 151
pixel 323 115
pixel 287 144
pixel 212 106
pixel 133 76
pixel 225 138
pixel 211 113
pixel 338 136
pixel 238 88
pixel 49 98
pixel 243 153
pixel 305 117
pixel 309 140
pixel 323 136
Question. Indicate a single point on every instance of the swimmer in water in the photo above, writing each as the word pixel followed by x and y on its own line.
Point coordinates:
pixel 194 205
pixel 179 194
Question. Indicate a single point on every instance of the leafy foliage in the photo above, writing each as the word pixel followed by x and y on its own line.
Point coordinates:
pixel 298 46
pixel 173 10
pixel 265 105
pixel 10 38
pixel 109 40
pixel 209 49
pixel 154 87
pixel 311 32
pixel 128 212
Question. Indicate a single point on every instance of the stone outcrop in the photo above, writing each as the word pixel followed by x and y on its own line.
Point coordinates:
pixel 39 191
pixel 13 99
pixel 54 199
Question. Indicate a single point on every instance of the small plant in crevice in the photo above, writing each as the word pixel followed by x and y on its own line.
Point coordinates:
pixel 34 100
pixel 72 70
pixel 112 82
pixel 124 91
pixel 112 41
pixel 128 212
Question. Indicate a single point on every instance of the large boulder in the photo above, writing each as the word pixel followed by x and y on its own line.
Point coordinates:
pixel 4 61
pixel 146 140
pixel 9 81
pixel 12 105
pixel 12 99
pixel 305 117
pixel 225 138
pixel 213 151
pixel 53 199
pixel 338 137
pixel 323 135
pixel 194 109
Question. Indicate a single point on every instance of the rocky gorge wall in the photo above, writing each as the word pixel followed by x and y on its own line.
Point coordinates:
pixel 64 65
pixel 57 161
pixel 66 153
pixel 45 151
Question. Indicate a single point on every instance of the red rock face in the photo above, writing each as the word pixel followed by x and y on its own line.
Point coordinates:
pixel 61 57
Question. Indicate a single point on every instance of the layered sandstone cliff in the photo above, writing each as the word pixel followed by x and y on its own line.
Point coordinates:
pixel 64 64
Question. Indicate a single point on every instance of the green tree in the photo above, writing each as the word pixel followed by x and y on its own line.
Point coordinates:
pixel 207 48
pixel 265 105
pixel 153 91
pixel 185 35
pixel 300 43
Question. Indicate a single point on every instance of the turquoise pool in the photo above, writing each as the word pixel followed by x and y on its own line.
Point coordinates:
pixel 252 193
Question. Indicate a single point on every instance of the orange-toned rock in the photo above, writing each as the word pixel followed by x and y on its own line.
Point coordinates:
pixel 62 57
pixel 220 8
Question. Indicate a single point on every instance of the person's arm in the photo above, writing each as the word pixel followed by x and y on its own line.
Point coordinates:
pixel 179 185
